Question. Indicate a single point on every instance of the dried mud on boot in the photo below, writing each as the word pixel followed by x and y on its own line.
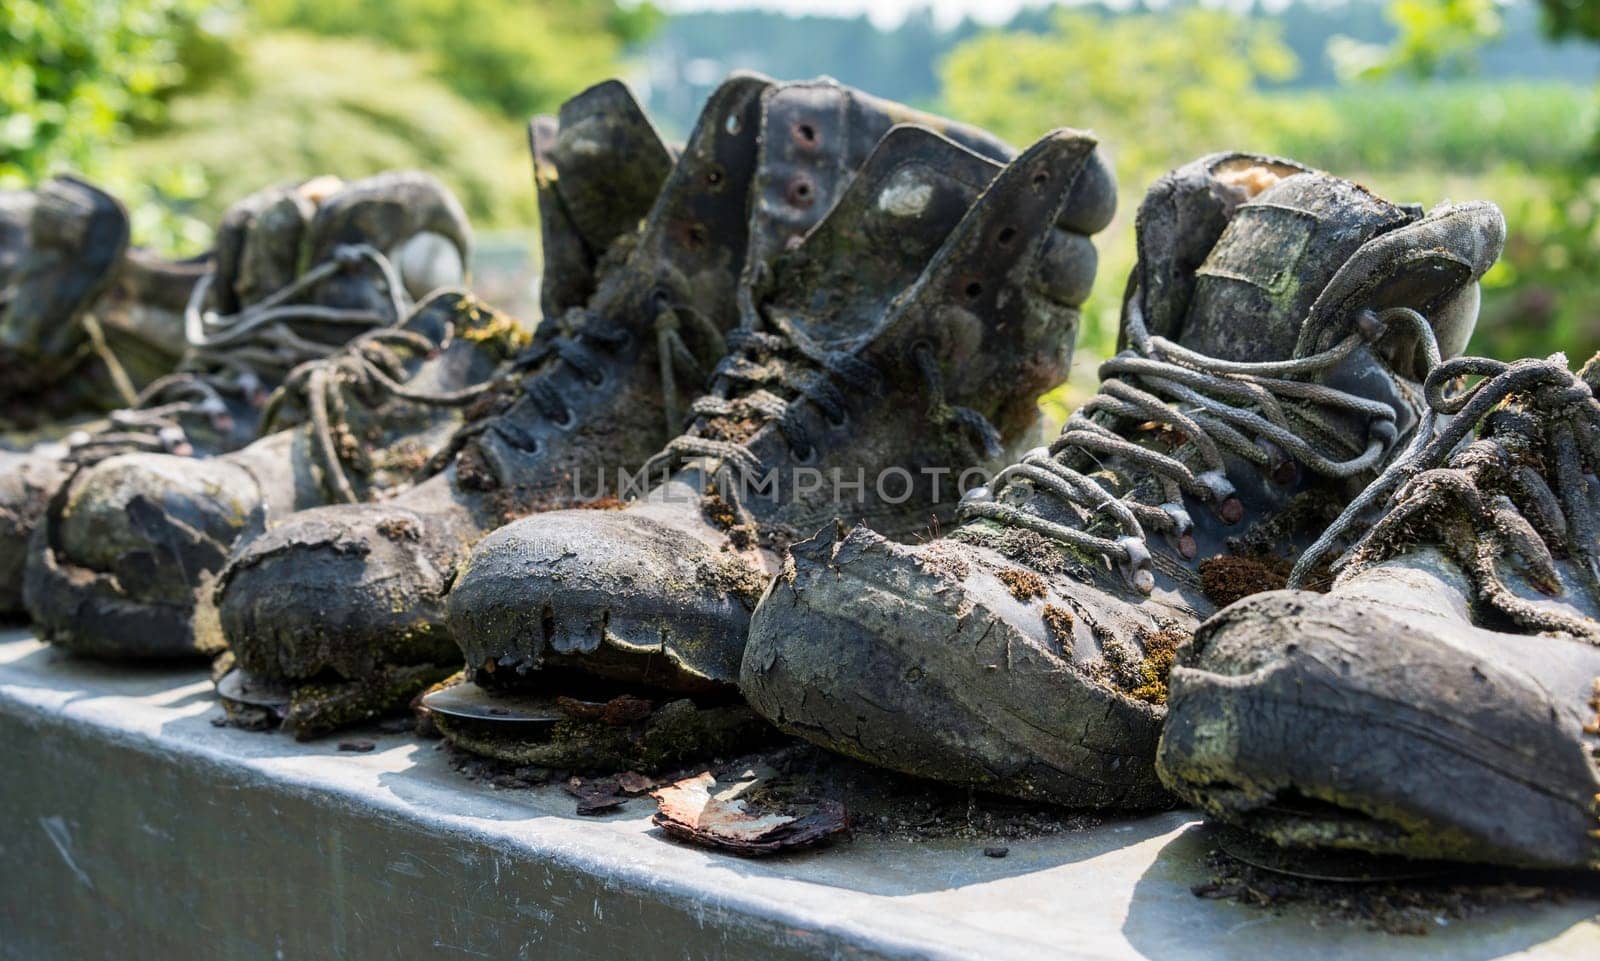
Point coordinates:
pixel 600 732
pixel 309 710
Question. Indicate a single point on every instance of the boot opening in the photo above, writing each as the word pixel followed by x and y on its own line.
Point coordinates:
pixel 1252 176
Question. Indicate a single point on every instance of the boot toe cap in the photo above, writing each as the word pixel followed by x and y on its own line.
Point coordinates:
pixel 347 589
pixel 27 482
pixel 146 517
pixel 917 659
pixel 117 564
pixel 1329 721
pixel 614 593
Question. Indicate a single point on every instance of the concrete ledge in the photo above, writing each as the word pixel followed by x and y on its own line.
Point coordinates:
pixel 133 828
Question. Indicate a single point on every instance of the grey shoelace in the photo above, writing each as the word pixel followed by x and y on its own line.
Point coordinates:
pixel 1554 402
pixel 577 340
pixel 371 367
pixel 745 384
pixel 232 354
pixel 1259 412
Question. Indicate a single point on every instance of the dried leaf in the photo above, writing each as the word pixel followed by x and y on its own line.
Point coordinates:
pixel 696 811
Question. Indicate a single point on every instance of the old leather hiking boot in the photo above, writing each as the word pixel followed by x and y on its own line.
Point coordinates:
pixel 85 322
pixel 128 542
pixel 1443 699
pixel 598 167
pixel 1267 344
pixel 328 595
pixel 942 287
pixel 251 321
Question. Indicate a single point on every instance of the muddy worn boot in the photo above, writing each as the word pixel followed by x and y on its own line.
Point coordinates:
pixel 62 257
pixel 135 331
pixel 605 386
pixel 1268 341
pixel 1443 699
pixel 16 214
pixel 130 540
pixel 250 322
pixel 942 287
pixel 598 167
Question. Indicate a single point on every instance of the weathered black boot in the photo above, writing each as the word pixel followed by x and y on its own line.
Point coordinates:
pixel 1443 699
pixel 942 288
pixel 16 213
pixel 328 595
pixel 66 245
pixel 129 541
pixel 1268 341
pixel 598 167
pixel 250 322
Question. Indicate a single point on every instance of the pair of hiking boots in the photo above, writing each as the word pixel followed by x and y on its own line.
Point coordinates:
pixel 303 315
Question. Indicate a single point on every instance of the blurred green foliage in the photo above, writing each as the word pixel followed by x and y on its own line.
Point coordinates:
pixel 182 106
pixel 1180 82
pixel 78 74
pixel 296 106
pixel 517 56
pixel 1435 36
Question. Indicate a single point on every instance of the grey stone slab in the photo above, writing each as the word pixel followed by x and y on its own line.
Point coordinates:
pixel 133 828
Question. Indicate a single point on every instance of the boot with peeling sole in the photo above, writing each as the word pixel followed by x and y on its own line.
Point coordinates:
pixel 129 541
pixel 1270 334
pixel 937 276
pixel 1442 700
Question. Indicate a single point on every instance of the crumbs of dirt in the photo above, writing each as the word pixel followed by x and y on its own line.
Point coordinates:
pixel 880 804
pixel 1400 907
pixel 399 529
pixel 1058 621
pixel 473 471
pixel 1023 584
pixel 722 514
pixel 1227 578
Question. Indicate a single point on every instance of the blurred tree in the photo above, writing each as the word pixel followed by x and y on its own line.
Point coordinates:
pixel 1543 295
pixel 298 106
pixel 1191 76
pixel 1434 36
pixel 521 56
pixel 77 75
pixel 1572 18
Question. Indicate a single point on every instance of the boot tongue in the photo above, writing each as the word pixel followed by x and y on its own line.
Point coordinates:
pixel 1273 259
pixel 836 286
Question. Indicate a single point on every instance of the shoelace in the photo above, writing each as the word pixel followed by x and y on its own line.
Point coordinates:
pixel 1556 398
pixel 577 340
pixel 230 354
pixel 1218 406
pixel 372 367
pixel 756 362
pixel 786 358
